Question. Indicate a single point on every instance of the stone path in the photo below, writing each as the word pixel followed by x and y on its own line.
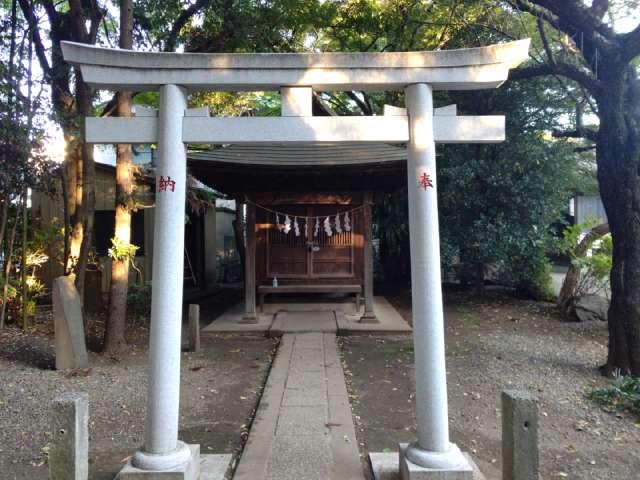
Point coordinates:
pixel 303 428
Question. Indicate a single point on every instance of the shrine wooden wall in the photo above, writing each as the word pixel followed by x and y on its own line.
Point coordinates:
pixel 337 259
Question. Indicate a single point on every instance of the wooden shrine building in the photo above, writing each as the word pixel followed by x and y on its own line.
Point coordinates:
pixel 308 214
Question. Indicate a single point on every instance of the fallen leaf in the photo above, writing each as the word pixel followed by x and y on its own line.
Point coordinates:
pixel 77 372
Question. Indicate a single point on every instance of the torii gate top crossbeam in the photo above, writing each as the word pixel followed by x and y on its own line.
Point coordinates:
pixel 463 69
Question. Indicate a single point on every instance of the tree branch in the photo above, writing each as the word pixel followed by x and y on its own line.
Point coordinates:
pixel 580 132
pixel 181 21
pixel 545 40
pixel 599 8
pixel 32 20
pixel 630 43
pixel 366 110
pixel 573 13
pixel 536 11
pixel 592 84
pixel 588 148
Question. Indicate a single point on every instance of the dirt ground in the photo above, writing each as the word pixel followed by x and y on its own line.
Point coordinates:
pixel 492 344
pixel 220 388
pixel 495 344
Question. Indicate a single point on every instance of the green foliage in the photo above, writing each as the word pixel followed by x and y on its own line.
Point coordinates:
pixel 139 298
pixel 262 104
pixel 35 289
pixel 498 203
pixel 595 265
pixel 536 282
pixel 622 394
pixel 121 251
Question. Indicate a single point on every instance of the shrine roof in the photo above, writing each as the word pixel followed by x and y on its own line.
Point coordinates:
pixel 301 155
pixel 236 169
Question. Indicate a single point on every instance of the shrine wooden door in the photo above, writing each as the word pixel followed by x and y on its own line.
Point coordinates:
pixel 313 255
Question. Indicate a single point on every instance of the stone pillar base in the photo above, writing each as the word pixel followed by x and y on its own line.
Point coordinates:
pixel 190 470
pixel 386 466
pixel 411 471
pixel 369 318
pixel 249 318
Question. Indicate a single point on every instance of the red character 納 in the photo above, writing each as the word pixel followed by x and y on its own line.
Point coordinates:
pixel 163 184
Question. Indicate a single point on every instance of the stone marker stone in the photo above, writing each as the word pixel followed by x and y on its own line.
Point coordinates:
pixel 69 450
pixel 519 435
pixel 592 307
pixel 194 327
pixel 71 351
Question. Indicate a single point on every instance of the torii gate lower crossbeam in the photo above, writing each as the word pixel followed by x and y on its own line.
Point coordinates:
pixel 296 75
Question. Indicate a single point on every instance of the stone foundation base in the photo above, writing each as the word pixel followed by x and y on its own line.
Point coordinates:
pixel 387 466
pixel 187 471
pixel 369 318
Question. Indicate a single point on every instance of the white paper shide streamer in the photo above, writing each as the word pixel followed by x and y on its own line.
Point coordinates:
pixel 338 227
pixel 338 224
pixel 327 227
pixel 347 222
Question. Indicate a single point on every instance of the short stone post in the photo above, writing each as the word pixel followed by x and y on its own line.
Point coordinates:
pixel 194 327
pixel 69 450
pixel 71 351
pixel 519 435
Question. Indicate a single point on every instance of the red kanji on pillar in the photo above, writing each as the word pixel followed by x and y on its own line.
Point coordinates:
pixel 425 181
pixel 163 184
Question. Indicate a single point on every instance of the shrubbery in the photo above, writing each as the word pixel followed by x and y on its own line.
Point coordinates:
pixel 622 394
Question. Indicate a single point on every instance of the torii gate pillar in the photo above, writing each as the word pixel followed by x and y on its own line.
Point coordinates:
pixel 162 450
pixel 432 450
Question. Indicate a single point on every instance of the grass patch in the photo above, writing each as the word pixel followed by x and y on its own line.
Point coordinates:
pixel 468 319
pixel 622 394
pixel 394 350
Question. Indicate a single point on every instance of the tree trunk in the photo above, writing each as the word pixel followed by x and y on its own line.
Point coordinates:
pixel 74 165
pixel 618 155
pixel 7 272
pixel 569 288
pixel 23 262
pixel 85 214
pixel 114 340
pixel 4 216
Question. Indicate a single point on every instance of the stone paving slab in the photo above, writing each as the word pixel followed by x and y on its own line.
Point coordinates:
pixel 302 420
pixel 303 428
pixel 390 321
pixel 301 322
pixel 300 458
pixel 214 466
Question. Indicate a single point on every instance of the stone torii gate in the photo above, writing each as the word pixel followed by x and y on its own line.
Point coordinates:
pixel 295 75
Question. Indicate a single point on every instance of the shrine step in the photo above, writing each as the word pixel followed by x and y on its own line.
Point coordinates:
pixel 301 322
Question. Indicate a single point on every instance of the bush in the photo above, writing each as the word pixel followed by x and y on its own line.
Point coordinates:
pixel 542 282
pixel 139 298
pixel 594 264
pixel 622 394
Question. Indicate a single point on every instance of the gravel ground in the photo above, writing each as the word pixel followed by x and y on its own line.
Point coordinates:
pixel 494 344
pixel 220 389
